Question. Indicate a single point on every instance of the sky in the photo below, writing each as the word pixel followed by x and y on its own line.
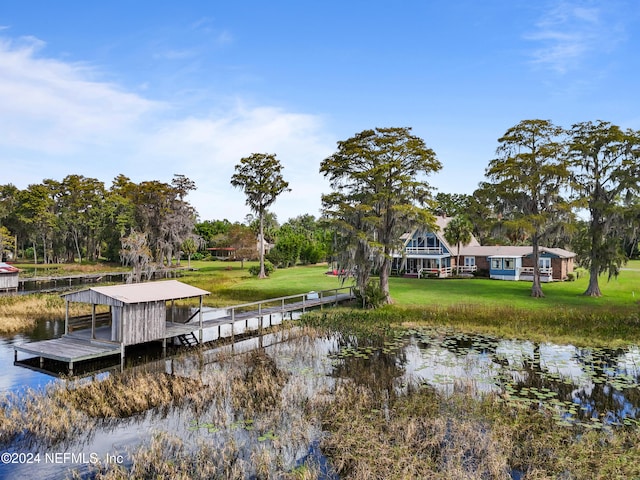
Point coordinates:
pixel 149 89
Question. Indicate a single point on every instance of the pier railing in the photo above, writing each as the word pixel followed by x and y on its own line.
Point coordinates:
pixel 300 301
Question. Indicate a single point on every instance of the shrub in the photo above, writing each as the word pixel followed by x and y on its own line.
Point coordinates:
pixel 371 296
pixel 268 268
pixel 571 277
pixel 581 272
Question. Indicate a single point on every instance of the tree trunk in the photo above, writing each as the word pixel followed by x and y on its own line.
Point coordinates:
pixel 77 245
pixel 536 288
pixel 385 269
pixel 262 274
pixel 593 290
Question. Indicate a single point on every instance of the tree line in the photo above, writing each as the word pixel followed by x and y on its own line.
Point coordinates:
pixel 548 186
pixel 78 218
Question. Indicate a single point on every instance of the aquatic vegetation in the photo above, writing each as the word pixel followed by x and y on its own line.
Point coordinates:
pixel 367 401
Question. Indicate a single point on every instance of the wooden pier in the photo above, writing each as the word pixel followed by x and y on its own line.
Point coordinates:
pixel 94 341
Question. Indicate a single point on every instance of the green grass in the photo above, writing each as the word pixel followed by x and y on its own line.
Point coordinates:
pixel 481 305
pixel 623 291
pixel 229 284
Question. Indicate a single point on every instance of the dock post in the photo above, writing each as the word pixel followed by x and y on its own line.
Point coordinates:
pixel 93 321
pixel 233 322
pixel 66 316
pixel 200 318
pixel 121 356
pixel 15 355
pixel 260 320
pixel 41 362
pixel 164 347
pixel 71 368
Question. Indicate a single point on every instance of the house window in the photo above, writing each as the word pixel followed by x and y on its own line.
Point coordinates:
pixel 509 264
pixel 496 264
pixel 469 261
pixel 544 262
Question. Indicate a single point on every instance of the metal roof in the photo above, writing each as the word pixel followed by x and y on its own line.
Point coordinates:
pixel 140 292
pixel 6 268
pixel 512 251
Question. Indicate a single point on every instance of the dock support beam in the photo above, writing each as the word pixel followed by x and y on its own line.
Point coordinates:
pixel 200 319
pixel 93 321
pixel 66 316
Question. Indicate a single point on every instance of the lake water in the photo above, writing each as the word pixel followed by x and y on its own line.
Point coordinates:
pixel 596 388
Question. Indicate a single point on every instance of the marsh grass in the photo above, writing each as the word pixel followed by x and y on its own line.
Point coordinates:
pixel 251 415
pixel 610 327
pixel 121 396
pixel 40 417
pixel 22 312
pixel 426 435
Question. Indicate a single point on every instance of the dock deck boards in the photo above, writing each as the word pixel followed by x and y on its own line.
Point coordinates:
pixel 78 346
pixel 68 349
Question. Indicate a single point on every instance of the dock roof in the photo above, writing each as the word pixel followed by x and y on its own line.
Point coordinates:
pixel 136 293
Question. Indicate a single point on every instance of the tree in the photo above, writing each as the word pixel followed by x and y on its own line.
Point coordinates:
pixel 243 240
pixel 79 204
pixel 451 204
pixel 606 173
pixel 529 177
pixel 191 246
pixel 6 241
pixel 458 232
pixel 379 189
pixel 135 252
pixel 35 210
pixel 259 176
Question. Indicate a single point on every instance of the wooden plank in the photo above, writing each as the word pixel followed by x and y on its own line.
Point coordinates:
pixel 67 349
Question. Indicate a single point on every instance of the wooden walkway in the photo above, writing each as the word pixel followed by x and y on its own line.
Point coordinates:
pixel 78 345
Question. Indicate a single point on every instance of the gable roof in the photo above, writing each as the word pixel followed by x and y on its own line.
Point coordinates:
pixel 136 293
pixel 6 268
pixel 441 223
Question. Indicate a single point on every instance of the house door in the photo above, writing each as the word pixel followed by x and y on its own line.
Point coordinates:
pixel 411 265
pixel 545 265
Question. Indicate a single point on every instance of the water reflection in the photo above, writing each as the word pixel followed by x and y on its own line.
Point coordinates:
pixel 585 386
pixel 579 384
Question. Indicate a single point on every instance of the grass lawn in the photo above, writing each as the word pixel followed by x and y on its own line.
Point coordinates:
pixel 623 291
pixel 229 283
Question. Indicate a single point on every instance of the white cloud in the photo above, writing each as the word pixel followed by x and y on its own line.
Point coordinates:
pixel 50 106
pixel 208 149
pixel 569 33
pixel 59 118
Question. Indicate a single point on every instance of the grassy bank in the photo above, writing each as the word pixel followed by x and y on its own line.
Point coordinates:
pixel 501 307
pixel 601 328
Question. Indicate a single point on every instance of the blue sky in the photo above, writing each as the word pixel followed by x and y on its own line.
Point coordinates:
pixel 151 89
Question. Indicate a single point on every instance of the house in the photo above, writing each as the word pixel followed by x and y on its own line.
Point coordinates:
pixel 516 262
pixel 8 277
pixel 426 253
